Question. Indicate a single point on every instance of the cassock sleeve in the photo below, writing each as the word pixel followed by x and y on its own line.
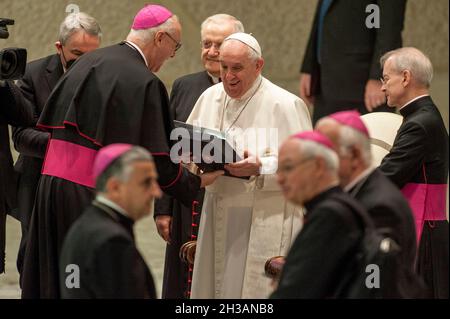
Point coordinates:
pixel 163 206
pixel 315 259
pixel 309 59
pixel 406 155
pixel 118 271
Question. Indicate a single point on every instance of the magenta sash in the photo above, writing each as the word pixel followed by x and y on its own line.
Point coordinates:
pixel 428 203
pixel 70 161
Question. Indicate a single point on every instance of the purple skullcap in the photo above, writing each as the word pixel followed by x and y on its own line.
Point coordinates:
pixel 151 16
pixel 107 155
pixel 351 119
pixel 315 137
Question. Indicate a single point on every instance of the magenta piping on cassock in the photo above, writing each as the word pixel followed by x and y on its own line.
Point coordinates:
pixel 428 203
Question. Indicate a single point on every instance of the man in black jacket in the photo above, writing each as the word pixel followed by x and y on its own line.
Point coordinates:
pixel 383 201
pixel 340 70
pixel 322 253
pixel 79 33
pixel 418 160
pixel 99 258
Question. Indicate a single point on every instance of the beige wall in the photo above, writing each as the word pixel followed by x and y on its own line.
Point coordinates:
pixel 281 26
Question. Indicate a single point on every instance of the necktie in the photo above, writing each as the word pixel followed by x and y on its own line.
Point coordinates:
pixel 325 5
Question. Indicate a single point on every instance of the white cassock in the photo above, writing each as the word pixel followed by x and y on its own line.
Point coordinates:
pixel 245 222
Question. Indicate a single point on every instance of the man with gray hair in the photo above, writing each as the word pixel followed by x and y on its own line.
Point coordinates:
pixel 79 33
pixel 245 221
pixel 101 242
pixel 109 96
pixel 178 224
pixel 321 255
pixel 418 160
pixel 383 201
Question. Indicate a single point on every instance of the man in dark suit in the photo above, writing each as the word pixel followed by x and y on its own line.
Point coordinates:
pixel 99 258
pixel 418 160
pixel 177 223
pixel 79 33
pixel 383 201
pixel 13 112
pixel 340 69
pixel 321 256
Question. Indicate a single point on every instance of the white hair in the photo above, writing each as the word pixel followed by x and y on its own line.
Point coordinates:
pixel 411 59
pixel 310 149
pixel 147 35
pixel 220 19
pixel 75 22
pixel 349 137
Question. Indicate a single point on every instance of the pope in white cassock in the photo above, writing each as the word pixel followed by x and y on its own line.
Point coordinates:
pixel 245 222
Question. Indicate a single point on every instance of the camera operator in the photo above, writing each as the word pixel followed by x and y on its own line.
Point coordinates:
pixel 13 111
pixel 79 33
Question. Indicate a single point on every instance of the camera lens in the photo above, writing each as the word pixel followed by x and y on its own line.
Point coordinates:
pixel 8 64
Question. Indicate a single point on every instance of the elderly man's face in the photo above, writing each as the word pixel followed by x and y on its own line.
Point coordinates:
pixel 137 194
pixel 237 70
pixel 76 45
pixel 295 173
pixel 393 84
pixel 169 44
pixel 212 38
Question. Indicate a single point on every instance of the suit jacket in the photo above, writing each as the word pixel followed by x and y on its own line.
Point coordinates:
pixel 14 112
pixel 38 82
pixel 350 51
pixel 101 243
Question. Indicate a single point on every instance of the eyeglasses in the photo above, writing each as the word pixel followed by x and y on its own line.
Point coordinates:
pixel 177 44
pixel 286 169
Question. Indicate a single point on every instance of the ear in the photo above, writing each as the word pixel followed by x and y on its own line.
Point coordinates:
pixel 259 64
pixel 406 78
pixel 58 46
pixel 158 38
pixel 113 186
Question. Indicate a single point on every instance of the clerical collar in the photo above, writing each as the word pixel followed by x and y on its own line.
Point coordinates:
pixel 214 79
pixel 359 178
pixel 138 49
pixel 103 200
pixel 414 99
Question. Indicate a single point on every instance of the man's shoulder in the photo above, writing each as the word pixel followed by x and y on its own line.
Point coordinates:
pixel 42 63
pixel 277 92
pixel 96 227
pixel 190 78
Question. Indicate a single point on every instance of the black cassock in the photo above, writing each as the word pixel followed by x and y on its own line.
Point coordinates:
pixel 321 255
pixel 107 96
pixel 418 164
pixel 101 244
pixel 185 219
pixel 392 215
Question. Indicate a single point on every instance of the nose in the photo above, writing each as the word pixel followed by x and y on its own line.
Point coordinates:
pixel 213 50
pixel 156 191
